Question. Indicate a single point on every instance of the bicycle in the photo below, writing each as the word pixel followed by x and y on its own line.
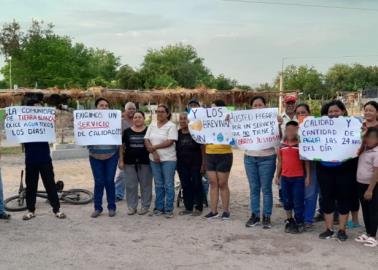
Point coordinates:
pixel 73 196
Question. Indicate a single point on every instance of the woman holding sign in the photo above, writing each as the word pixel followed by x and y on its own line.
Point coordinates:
pixel 103 160
pixel 260 167
pixel 219 160
pixel 160 142
pixel 337 183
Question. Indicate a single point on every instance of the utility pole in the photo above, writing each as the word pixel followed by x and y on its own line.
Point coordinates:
pixel 280 98
pixel 10 73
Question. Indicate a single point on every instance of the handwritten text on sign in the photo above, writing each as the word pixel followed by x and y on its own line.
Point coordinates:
pixel 97 127
pixel 329 139
pixel 210 125
pixel 255 129
pixel 25 124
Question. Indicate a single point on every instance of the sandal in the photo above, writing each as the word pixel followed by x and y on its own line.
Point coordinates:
pixel 371 242
pixel 362 238
pixel 28 216
pixel 60 215
pixel 5 216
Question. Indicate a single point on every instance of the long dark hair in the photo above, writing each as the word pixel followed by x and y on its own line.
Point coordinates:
pixel 256 98
pixel 372 103
pixel 339 104
pixel 304 105
pixel 101 99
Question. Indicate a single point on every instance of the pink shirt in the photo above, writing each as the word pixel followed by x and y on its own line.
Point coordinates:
pixel 367 161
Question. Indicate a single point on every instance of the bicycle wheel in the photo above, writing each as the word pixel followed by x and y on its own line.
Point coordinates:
pixel 77 196
pixel 15 203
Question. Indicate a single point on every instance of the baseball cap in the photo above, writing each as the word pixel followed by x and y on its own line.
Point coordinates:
pixel 193 101
pixel 290 99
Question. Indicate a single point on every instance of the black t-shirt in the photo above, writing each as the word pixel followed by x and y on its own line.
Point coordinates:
pixel 37 153
pixel 135 151
pixel 188 151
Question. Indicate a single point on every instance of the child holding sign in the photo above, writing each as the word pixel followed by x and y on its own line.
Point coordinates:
pixel 38 162
pixel 291 170
pixel 367 178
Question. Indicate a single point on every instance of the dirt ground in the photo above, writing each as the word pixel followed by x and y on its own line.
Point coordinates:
pixel 143 242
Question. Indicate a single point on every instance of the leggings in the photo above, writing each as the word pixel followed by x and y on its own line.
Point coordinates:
pixel 369 209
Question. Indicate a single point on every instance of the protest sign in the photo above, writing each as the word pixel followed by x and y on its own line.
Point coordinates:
pixel 97 127
pixel 25 124
pixel 329 139
pixel 255 129
pixel 210 125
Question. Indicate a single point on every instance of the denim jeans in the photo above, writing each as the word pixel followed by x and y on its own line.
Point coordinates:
pixel 120 184
pixel 311 197
pixel 260 172
pixel 2 210
pixel 293 189
pixel 164 177
pixel 103 173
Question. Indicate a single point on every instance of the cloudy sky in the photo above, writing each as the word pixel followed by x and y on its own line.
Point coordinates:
pixel 245 41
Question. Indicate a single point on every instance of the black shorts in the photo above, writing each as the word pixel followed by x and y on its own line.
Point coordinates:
pixel 219 162
pixel 337 185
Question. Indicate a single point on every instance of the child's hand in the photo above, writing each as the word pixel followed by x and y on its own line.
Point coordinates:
pixel 368 195
pixel 307 181
pixel 277 180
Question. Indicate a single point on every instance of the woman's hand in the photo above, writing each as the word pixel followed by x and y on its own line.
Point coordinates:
pixel 307 181
pixel 121 165
pixel 368 195
pixel 150 149
pixel 277 180
pixel 156 157
pixel 279 120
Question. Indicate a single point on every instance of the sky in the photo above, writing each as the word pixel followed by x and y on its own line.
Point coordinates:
pixel 244 41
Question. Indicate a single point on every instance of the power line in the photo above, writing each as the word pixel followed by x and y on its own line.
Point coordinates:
pixel 302 5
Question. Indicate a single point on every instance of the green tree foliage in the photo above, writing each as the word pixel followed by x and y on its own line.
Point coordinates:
pixel 305 79
pixel 173 65
pixel 343 77
pixel 42 58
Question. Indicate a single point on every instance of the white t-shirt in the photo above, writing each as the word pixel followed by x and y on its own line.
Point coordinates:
pixel 158 135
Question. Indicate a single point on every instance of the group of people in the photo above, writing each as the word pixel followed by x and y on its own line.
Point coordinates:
pixel 153 154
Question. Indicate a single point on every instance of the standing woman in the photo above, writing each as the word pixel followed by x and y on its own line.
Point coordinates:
pixel 370 115
pixel 260 167
pixel 311 191
pixel 337 184
pixel 160 143
pixel 189 168
pixel 134 161
pixel 103 160
pixel 218 166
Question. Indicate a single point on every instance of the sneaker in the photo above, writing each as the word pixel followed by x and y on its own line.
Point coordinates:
pixel 185 212
pixel 351 225
pixel 341 235
pixel 168 214
pixel 266 223
pixel 289 225
pixel 143 211
pixel 225 216
pixel 4 215
pixel 95 213
pixel 309 227
pixel 196 213
pixel 298 228
pixel 156 212
pixel 327 234
pixel 131 211
pixel 211 215
pixel 112 213
pixel 118 199
pixel 253 221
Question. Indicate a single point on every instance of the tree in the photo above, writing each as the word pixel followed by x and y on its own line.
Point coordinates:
pixel 174 63
pixel 305 79
pixel 44 59
pixel 343 77
pixel 128 78
pixel 223 83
